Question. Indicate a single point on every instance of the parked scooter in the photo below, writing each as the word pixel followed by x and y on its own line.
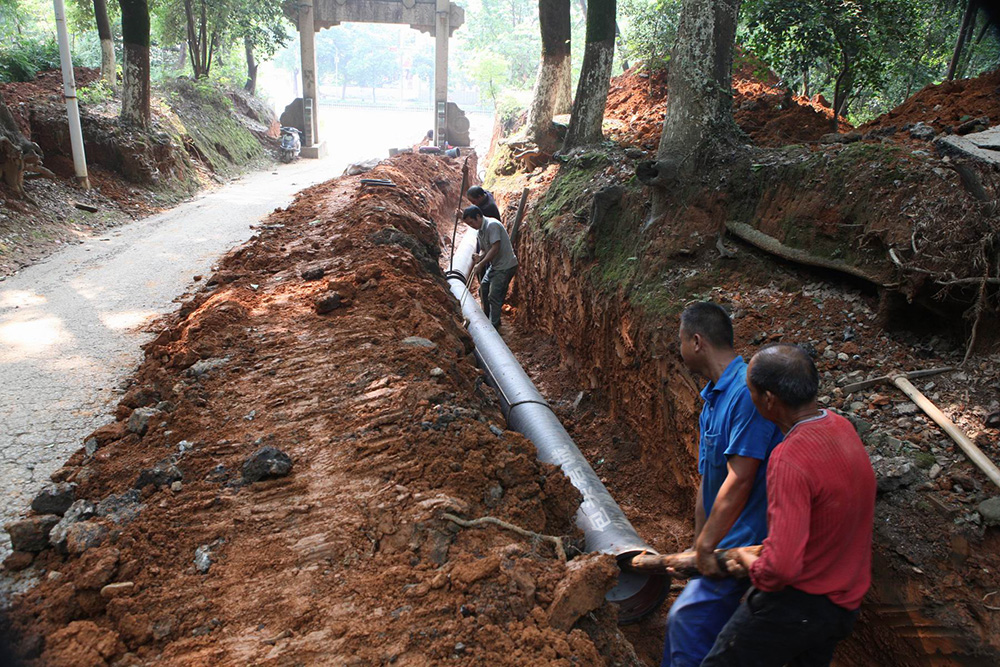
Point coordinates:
pixel 291 143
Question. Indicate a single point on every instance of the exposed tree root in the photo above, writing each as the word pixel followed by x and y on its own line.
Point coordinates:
pixel 483 520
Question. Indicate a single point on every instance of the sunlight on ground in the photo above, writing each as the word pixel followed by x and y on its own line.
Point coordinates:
pixel 20 298
pixel 126 320
pixel 30 337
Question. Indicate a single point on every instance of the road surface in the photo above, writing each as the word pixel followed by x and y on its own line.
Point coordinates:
pixel 71 326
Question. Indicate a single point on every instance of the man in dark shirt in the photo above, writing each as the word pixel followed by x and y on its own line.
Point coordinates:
pixel 484 200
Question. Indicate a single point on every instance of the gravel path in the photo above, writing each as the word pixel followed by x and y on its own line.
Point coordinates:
pixel 71 326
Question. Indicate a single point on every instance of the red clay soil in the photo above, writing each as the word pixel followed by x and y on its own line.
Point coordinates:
pixel 946 105
pixel 20 96
pixel 637 102
pixel 346 560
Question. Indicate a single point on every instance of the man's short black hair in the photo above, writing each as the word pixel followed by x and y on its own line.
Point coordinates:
pixel 472 212
pixel 476 191
pixel 709 320
pixel 788 372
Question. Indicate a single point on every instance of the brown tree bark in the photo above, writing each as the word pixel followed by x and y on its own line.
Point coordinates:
pixel 595 76
pixel 251 84
pixel 554 72
pixel 968 18
pixel 108 67
pixel 135 38
pixel 699 122
pixel 17 153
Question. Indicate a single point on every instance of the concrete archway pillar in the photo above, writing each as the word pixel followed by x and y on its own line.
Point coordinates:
pixel 312 146
pixel 442 30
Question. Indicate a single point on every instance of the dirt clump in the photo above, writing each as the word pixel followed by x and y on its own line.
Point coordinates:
pixel 346 559
pixel 945 106
pixel 770 115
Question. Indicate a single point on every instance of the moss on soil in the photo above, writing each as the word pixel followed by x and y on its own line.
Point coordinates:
pixel 209 126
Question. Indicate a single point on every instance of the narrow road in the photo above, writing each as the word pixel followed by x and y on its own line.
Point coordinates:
pixel 70 327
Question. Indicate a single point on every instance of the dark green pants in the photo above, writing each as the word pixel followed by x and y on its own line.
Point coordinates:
pixel 493 292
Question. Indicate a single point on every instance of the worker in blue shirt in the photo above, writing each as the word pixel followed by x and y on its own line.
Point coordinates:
pixel 731 504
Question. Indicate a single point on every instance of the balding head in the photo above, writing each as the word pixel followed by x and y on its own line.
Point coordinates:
pixel 787 372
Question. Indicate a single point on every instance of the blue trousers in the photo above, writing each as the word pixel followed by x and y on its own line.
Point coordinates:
pixel 696 618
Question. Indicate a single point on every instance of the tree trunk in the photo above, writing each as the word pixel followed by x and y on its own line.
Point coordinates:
pixel 554 72
pixel 699 121
pixel 108 68
pixel 17 153
pixel 135 37
pixel 251 84
pixel 193 43
pixel 967 18
pixel 595 76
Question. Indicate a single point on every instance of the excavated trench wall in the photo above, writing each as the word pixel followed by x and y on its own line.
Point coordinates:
pixel 627 355
pixel 631 364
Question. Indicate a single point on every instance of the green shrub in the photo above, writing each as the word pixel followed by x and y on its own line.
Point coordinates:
pixel 25 58
pixel 97 92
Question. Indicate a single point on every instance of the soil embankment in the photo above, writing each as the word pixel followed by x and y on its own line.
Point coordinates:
pixel 332 338
pixel 199 135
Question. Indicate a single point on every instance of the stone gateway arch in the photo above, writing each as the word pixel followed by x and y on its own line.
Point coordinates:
pixel 439 18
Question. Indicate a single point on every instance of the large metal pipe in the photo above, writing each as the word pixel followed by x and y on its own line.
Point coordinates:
pixel 604 525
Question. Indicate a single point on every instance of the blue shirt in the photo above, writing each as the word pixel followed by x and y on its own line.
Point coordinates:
pixel 730 425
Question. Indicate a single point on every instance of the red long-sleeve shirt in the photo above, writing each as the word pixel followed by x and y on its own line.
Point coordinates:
pixel 820 513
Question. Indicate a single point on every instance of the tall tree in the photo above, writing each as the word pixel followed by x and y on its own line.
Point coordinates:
pixel 261 26
pixel 108 68
pixel 699 120
pixel 964 35
pixel 135 40
pixel 595 75
pixel 554 72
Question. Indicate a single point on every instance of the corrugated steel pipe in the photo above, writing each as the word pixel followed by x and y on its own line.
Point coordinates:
pixel 603 523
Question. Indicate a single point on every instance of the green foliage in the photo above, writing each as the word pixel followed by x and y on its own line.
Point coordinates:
pixel 95 93
pixel 648 30
pixel 23 59
pixel 230 24
pixel 882 51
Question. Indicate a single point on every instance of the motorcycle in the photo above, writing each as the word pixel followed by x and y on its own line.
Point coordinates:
pixel 291 143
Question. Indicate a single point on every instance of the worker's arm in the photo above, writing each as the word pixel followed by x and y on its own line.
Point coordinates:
pixel 725 510
pixel 488 257
pixel 789 506
pixel 699 510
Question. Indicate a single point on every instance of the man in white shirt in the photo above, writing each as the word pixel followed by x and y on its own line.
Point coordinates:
pixel 498 259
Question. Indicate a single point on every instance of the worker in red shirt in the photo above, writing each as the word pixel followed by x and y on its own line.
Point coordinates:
pixel 815 566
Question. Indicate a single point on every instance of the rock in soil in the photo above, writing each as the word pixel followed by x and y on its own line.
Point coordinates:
pixel 54 498
pixel 18 560
pixel 163 473
pixel 315 273
pixel 31 534
pixel 582 590
pixel 990 511
pixel 327 303
pixel 267 462
pixel 81 510
pixel 893 472
pixel 138 422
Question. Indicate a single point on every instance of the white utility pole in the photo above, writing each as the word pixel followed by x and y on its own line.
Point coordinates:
pixel 69 92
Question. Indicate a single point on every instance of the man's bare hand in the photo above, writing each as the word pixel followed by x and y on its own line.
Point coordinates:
pixel 707 563
pixel 746 557
pixel 734 567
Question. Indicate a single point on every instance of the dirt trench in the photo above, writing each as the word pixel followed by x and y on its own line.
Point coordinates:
pixel 330 337
pixel 637 419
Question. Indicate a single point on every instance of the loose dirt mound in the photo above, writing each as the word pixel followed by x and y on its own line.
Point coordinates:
pixel 47 86
pixel 947 104
pixel 637 102
pixel 347 560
